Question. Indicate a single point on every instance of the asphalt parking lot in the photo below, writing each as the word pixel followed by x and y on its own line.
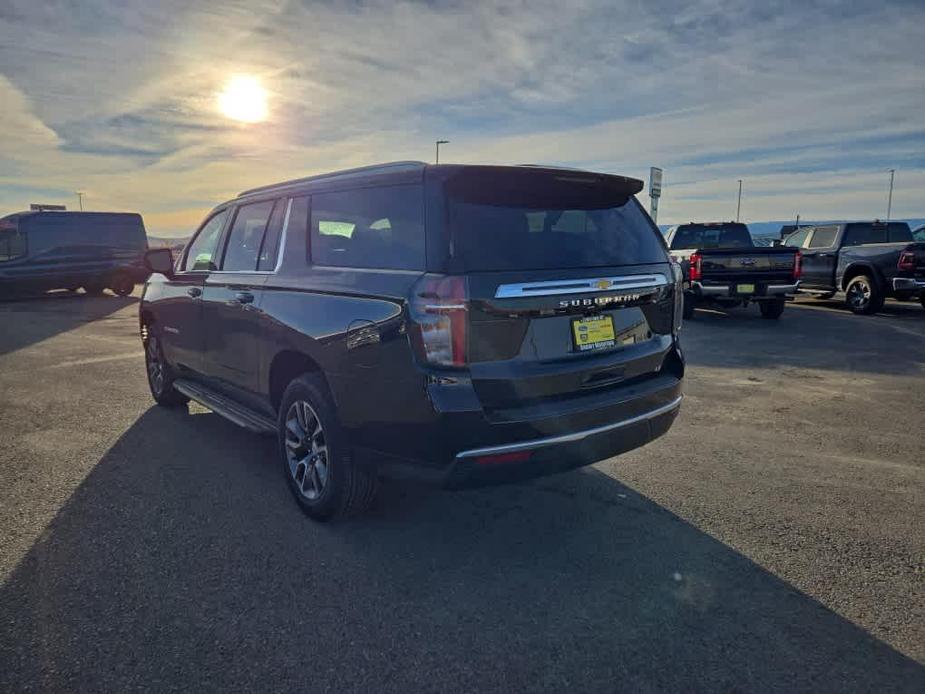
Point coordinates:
pixel 774 539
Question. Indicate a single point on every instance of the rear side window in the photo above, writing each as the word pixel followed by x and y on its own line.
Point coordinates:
pixel 246 236
pixel 369 228
pixel 858 234
pixel 823 237
pixel 796 240
pixel 12 244
pixel 202 251
pixel 689 237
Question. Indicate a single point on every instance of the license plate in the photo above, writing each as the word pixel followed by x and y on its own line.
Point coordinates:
pixel 745 289
pixel 593 332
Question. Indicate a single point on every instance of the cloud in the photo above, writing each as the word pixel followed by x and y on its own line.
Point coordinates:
pixel 119 98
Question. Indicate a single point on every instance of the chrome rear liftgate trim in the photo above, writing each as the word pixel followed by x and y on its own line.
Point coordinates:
pixel 579 286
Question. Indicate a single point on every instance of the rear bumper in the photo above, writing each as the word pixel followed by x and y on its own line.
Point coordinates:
pixel 728 290
pixel 543 456
pixel 908 284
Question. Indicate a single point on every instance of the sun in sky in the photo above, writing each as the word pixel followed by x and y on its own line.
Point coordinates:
pixel 243 99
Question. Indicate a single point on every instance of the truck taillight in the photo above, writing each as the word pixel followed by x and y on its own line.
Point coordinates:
pixel 440 316
pixel 696 267
pixel 798 266
pixel 906 261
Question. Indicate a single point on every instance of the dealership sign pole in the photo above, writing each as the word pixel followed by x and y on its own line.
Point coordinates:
pixel 655 191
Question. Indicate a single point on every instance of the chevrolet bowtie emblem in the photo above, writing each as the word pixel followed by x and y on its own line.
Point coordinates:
pixel 602 284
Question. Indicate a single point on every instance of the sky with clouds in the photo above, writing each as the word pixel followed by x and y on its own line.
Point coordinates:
pixel 808 103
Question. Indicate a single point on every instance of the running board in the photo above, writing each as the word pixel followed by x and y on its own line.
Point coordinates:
pixel 226 407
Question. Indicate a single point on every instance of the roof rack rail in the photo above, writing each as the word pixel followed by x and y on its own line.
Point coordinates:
pixel 410 165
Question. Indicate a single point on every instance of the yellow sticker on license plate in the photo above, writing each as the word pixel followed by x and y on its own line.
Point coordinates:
pixel 745 289
pixel 593 332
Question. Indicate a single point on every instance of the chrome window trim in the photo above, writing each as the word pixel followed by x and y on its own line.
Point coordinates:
pixel 282 240
pixel 579 286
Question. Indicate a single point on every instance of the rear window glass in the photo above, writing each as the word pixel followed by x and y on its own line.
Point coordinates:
pixel 549 225
pixel 12 244
pixel 369 228
pixel 858 234
pixel 718 236
pixel 823 237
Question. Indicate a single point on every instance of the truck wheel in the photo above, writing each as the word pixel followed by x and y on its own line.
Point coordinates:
pixel 316 457
pixel 689 305
pixel 863 295
pixel 773 309
pixel 94 289
pixel 121 284
pixel 160 375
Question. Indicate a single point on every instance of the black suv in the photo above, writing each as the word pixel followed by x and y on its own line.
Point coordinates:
pixel 462 325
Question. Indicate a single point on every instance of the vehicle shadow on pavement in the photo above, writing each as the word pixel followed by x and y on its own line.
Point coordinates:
pixel 42 316
pixel 181 562
pixel 808 335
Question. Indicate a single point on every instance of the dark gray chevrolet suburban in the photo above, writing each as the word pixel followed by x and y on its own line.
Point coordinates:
pixel 462 325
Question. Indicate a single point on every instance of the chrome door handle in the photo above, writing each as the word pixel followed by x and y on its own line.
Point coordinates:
pixel 194 292
pixel 244 297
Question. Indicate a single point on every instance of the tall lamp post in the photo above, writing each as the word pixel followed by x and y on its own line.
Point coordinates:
pixel 440 142
pixel 889 200
pixel 739 203
pixel 80 200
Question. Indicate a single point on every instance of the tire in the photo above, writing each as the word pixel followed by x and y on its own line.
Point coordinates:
pixel 773 309
pixel 689 305
pixel 160 375
pixel 121 284
pixel 863 295
pixel 94 289
pixel 316 459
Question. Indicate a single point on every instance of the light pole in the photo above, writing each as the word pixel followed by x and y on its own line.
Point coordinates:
pixel 80 200
pixel 440 142
pixel 889 201
pixel 739 203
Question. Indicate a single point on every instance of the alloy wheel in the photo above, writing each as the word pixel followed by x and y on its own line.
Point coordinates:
pixel 155 365
pixel 306 450
pixel 859 294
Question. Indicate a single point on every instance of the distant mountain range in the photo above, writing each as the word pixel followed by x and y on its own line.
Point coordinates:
pixel 760 229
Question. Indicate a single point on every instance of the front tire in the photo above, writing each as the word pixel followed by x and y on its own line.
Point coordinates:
pixel 160 375
pixel 323 477
pixel 773 309
pixel 864 296
pixel 122 284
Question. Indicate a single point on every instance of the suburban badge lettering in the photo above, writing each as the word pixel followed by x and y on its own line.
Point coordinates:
pixel 600 300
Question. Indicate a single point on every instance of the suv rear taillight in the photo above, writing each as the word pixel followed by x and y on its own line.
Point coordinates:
pixel 797 266
pixel 440 320
pixel 696 267
pixel 906 261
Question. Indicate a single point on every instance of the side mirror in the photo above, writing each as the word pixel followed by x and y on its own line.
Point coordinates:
pixel 160 260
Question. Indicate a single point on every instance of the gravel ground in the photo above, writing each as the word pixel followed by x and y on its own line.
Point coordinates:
pixel 774 539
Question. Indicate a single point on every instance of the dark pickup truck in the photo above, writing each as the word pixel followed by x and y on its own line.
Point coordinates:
pixel 869 261
pixel 723 267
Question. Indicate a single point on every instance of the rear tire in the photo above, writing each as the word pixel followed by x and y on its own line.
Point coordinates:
pixel 864 296
pixel 160 375
pixel 320 471
pixel 121 284
pixel 773 309
pixel 689 305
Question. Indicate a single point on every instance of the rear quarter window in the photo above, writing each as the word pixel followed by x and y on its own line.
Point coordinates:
pixel 369 228
pixel 12 244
